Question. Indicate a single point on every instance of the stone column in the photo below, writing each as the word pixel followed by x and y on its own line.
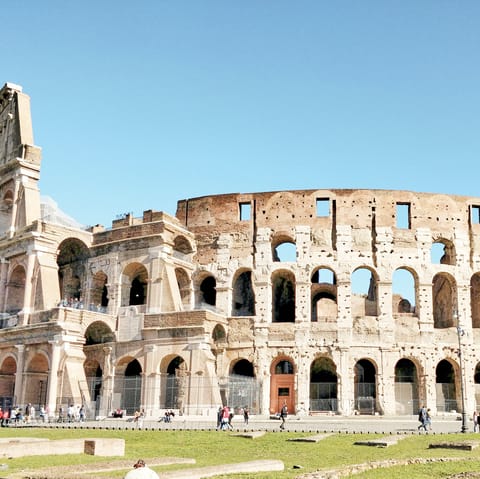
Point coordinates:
pixel 18 393
pixel 346 392
pixel 151 382
pixel 303 302
pixel 384 311
pixel 27 297
pixel 16 200
pixel 344 312
pixel 52 391
pixel 3 282
pixel 108 379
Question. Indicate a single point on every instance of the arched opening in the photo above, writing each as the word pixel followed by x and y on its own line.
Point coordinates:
pixel 15 290
pixel 176 384
pixel 72 259
pixel 475 299
pixel 99 293
pixel 208 292
pixel 132 390
pixel 243 297
pixel 218 334
pixel 8 369
pixel 476 379
pixel 283 285
pixel 35 380
pixel 444 301
pixel 182 246
pixel 93 374
pixel 243 390
pixel 282 385
pixel 98 333
pixel 323 385
pixel 184 286
pixel 134 285
pixel 365 387
pixel 445 387
pixel 364 293
pixel 323 295
pixel 285 251
pixel 406 387
pixel 403 288
pixel 443 252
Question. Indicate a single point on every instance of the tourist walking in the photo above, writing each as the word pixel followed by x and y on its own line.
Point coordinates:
pixel 422 417
pixel 246 414
pixel 283 415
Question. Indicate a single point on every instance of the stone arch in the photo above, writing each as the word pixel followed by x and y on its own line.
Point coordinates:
pixel 35 379
pixel 134 285
pixel 128 385
pixel 243 388
pixel 406 387
pixel 404 290
pixel 99 292
pixel 323 385
pixel 365 381
pixel 475 299
pixel 283 296
pixel 243 295
pixel 15 290
pixel 444 301
pixel 207 292
pixel 6 205
pixel 446 386
pixel 284 248
pixel 94 377
pixel 72 259
pixel 443 252
pixel 282 384
pixel 364 292
pixel 323 294
pixel 174 382
pixel 476 380
pixel 98 332
pixel 218 334
pixel 8 370
pixel 182 245
pixel 184 286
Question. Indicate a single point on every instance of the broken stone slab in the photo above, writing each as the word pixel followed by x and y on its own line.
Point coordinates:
pixel 20 447
pixel 380 442
pixel 463 445
pixel 315 438
pixel 222 469
pixel 250 435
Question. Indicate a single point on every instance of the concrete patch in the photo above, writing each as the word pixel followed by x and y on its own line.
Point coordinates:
pixel 239 468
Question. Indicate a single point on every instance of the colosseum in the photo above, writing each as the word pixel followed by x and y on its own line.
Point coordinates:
pixel 332 301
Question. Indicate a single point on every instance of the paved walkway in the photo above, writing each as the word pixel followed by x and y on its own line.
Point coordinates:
pixel 318 424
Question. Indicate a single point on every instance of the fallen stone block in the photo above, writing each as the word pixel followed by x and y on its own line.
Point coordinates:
pixel 316 438
pixel 250 435
pixel 464 445
pixel 222 469
pixel 381 442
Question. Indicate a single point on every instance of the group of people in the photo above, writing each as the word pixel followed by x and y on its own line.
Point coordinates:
pixel 168 416
pixel 73 414
pixel 17 415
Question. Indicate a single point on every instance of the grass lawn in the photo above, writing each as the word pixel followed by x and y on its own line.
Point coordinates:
pixel 211 447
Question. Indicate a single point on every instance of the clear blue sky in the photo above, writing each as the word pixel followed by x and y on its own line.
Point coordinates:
pixel 139 104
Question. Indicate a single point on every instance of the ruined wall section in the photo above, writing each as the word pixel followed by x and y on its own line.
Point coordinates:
pixel 360 231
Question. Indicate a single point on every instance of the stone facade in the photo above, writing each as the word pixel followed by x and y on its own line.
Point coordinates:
pixel 331 301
